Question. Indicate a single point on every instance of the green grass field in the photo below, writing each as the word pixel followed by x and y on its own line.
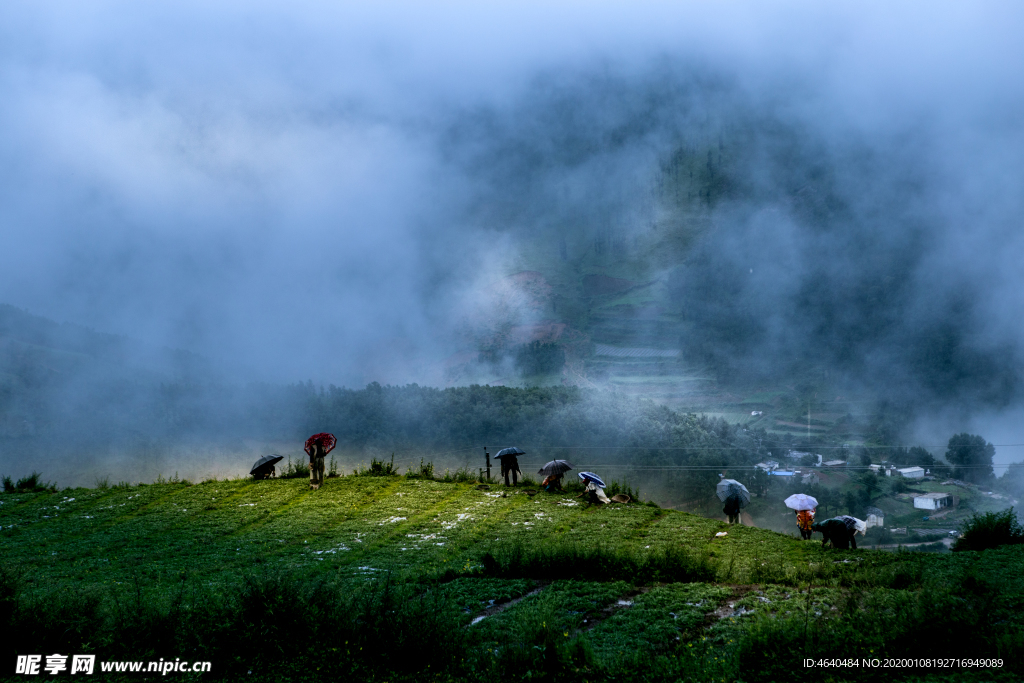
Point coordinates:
pixel 566 591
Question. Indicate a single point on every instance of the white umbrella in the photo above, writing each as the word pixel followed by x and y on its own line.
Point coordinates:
pixel 801 501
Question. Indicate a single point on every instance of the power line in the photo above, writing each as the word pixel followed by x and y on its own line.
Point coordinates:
pixel 730 448
pixel 719 468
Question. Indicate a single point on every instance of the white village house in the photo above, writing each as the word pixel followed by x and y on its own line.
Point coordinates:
pixel 800 455
pixel 875 517
pixel 912 472
pixel 933 501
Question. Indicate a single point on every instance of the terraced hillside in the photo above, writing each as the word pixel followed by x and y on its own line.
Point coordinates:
pixel 269 577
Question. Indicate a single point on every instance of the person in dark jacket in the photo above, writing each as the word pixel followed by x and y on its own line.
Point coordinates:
pixel 732 509
pixel 836 532
pixel 510 465
pixel 265 471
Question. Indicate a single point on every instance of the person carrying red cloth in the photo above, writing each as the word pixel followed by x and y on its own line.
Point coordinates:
pixel 317 447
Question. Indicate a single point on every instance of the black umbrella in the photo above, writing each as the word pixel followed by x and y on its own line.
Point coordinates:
pixel 555 467
pixel 513 451
pixel 265 462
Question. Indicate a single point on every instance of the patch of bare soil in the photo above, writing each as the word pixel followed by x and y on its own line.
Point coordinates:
pixel 500 607
pixel 625 602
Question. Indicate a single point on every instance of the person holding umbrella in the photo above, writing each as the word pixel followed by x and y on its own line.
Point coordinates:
pixel 732 509
pixel 804 506
pixel 595 487
pixel 264 467
pixel 735 496
pixel 510 463
pixel 317 447
pixel 804 522
pixel 554 471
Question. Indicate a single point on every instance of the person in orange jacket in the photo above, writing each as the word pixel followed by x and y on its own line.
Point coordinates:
pixel 804 520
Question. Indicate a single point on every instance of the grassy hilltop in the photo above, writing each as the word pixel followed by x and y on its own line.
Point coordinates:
pixel 387 578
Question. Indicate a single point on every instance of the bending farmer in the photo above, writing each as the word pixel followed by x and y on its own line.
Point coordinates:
pixel 836 532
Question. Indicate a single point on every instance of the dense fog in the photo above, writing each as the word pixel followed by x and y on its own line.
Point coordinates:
pixel 242 196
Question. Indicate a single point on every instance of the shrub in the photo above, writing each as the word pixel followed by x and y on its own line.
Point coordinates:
pixel 29 484
pixel 528 480
pixel 538 358
pixel 616 488
pixel 425 471
pixel 378 468
pixel 990 530
pixel 275 622
pixel 461 476
pixel 297 470
pixel 881 624
pixel 879 535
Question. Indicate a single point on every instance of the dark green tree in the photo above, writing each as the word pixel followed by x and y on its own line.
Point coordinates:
pixel 760 482
pixel 1013 478
pixel 826 500
pixel 971 457
pixel 851 503
pixel 538 358
pixel 919 457
pixel 869 486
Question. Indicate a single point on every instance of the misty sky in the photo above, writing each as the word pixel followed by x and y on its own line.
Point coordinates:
pixel 295 190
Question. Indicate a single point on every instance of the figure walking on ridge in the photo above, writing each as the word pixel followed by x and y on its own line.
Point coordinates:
pixel 317 447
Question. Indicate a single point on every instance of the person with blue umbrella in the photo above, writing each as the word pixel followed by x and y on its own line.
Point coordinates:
pixel 595 487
